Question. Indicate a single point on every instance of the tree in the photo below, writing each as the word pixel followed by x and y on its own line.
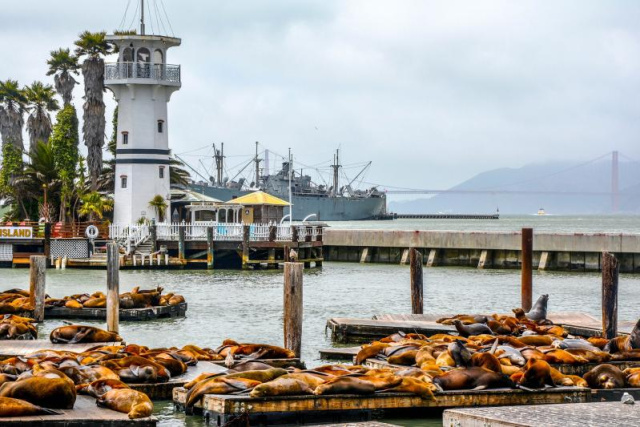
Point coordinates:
pixel 40 181
pixel 93 47
pixel 62 65
pixel 159 205
pixel 12 107
pixel 64 141
pixel 41 100
pixel 94 205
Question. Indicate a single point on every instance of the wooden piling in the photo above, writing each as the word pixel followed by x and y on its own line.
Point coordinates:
pixel 246 234
pixel 610 269
pixel 527 269
pixel 181 244
pixel 153 235
pixel 113 287
pixel 417 288
pixel 210 254
pixel 287 251
pixel 293 306
pixel 37 279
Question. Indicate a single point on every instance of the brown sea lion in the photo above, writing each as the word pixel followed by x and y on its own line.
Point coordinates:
pixel 73 304
pixel 73 334
pixel 563 357
pixel 347 385
pixel 536 340
pixel 632 377
pixel 341 370
pixel 625 343
pixel 249 366
pixel 472 379
pixel 472 329
pixel 310 379
pixel 7 378
pixel 537 375
pixel 138 369
pixel 99 387
pixel 94 302
pixel 407 358
pixel 218 385
pixel 415 386
pixel 369 351
pixel 261 351
pixel 605 377
pixel 380 378
pixel 175 366
pixel 487 361
pixel 18 291
pixel 176 300
pixel 49 392
pixel 10 407
pixel 132 402
pixel 539 310
pixel 460 354
pixel 262 375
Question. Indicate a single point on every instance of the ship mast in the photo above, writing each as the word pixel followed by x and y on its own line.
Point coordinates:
pixel 336 168
pixel 142 17
pixel 219 157
pixel 290 198
pixel 257 160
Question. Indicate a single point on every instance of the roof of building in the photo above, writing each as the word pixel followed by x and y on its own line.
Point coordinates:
pixel 190 196
pixel 257 198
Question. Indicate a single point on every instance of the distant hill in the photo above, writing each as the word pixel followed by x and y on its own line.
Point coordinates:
pixel 552 176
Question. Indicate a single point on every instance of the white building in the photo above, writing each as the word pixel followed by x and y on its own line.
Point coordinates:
pixel 142 83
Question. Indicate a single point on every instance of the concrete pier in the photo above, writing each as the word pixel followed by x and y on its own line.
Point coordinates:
pixel 551 251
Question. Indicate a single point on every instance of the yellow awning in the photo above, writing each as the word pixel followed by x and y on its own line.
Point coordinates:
pixel 257 198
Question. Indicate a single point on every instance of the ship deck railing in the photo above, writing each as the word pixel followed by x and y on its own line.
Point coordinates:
pixel 197 231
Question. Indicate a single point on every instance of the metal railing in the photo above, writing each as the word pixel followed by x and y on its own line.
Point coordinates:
pixel 198 231
pixel 142 70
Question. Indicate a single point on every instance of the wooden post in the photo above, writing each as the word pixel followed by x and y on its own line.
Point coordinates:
pixel 245 246
pixel 527 269
pixel 287 250
pixel 210 254
pixel 273 232
pixel 153 232
pixel 610 269
pixel 37 279
pixel 417 287
pixel 181 249
pixel 47 239
pixel 113 287
pixel 293 306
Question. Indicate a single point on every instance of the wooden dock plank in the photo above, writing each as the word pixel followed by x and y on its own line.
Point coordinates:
pixel 85 412
pixel 346 330
pixel 579 414
pixel 148 313
pixel 9 348
pixel 339 353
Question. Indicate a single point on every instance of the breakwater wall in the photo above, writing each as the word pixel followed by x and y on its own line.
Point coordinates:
pixel 551 251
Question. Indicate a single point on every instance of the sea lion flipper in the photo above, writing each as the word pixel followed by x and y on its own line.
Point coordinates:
pixel 480 387
pixel 79 335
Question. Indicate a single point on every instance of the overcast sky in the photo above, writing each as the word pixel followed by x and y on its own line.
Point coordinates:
pixel 432 92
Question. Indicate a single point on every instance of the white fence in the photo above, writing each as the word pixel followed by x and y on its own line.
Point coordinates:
pixel 135 234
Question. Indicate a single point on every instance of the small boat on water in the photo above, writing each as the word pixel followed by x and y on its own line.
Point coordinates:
pixel 541 211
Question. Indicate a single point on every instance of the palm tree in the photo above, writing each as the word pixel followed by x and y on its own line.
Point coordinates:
pixel 93 46
pixel 94 205
pixel 41 99
pixel 159 205
pixel 40 181
pixel 62 64
pixel 12 107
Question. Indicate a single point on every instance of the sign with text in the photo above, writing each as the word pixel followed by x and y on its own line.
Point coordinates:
pixel 16 232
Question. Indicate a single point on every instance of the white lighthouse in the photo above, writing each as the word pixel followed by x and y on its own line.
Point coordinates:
pixel 142 83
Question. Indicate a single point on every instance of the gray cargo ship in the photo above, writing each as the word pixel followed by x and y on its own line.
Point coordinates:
pixel 310 201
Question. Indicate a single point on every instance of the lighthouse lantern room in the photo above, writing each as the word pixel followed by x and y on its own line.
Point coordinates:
pixel 142 82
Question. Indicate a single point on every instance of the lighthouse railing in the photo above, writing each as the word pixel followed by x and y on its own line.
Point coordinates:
pixel 142 70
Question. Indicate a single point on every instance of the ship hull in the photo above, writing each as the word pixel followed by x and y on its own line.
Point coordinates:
pixel 325 208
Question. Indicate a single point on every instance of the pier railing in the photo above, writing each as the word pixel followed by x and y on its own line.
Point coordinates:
pixel 197 231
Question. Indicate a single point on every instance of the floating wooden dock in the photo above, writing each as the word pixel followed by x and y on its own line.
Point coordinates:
pixel 147 313
pixel 84 413
pixel 219 409
pixel 276 363
pixel 580 414
pixel 352 330
pixel 339 353
pixel 10 348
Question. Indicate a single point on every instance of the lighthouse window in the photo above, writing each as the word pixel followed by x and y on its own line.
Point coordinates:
pixel 123 181
pixel 160 126
pixel 161 172
pixel 125 138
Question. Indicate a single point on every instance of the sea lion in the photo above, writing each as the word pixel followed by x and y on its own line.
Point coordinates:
pixel 460 354
pixel 218 385
pixel 632 376
pixel 73 334
pixel 174 365
pixel 537 375
pixel 94 302
pixel 380 378
pixel 369 351
pixel 309 378
pixel 73 304
pixel 472 329
pixel 347 385
pixel 487 361
pixel 625 343
pixel 513 355
pixel 472 379
pixel 539 310
pixel 55 393
pixel 605 377
pixel 132 402
pixel 99 387
pixel 574 344
pixel 563 357
pixel 413 385
pixel 10 407
pixel 536 340
pixel 405 358
pixel 7 378
pixel 137 369
pixel 176 300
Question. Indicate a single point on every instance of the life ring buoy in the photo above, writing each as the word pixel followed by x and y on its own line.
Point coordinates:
pixel 92 232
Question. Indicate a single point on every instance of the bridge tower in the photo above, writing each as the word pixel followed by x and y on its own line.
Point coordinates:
pixel 142 82
pixel 615 191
